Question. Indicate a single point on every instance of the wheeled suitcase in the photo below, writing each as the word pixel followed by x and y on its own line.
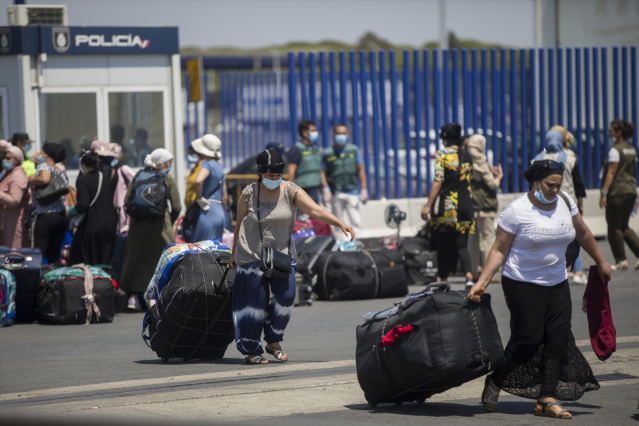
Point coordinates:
pixel 7 298
pixel 25 264
pixel 346 276
pixel 444 340
pixel 192 317
pixel 392 276
pixel 63 296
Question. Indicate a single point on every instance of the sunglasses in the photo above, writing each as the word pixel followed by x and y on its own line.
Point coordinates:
pixel 552 165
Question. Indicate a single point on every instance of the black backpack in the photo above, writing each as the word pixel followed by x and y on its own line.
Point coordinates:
pixel 148 195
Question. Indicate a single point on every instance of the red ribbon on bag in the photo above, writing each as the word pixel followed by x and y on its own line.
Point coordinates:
pixel 398 331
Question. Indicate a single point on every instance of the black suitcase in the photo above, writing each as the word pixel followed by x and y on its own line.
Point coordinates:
pixel 120 298
pixel 346 276
pixel 392 276
pixel 193 315
pixel 308 250
pixel 453 341
pixel 421 266
pixel 62 302
pixel 25 264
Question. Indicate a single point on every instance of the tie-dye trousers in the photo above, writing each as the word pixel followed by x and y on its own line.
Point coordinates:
pixel 252 312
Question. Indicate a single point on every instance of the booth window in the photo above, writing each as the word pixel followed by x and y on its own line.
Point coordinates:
pixel 136 121
pixel 70 119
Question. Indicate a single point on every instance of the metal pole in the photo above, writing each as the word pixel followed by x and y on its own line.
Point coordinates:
pixel 454 83
pixel 365 122
pixel 504 130
pixel 343 93
pixel 615 81
pixel 333 80
pixel 524 116
pixel 589 174
pixel 624 83
pixel 188 103
pixel 595 108
pixel 205 80
pixel 495 104
pixel 292 98
pixel 633 89
pixel 446 80
pixel 302 71
pixel 484 95
pixel 427 143
pixel 533 105
pixel 570 115
pixel 560 87
pixel 376 137
pixel 354 85
pixel 384 117
pixel 417 82
pixel 542 101
pixel 394 121
pixel 325 99
pixel 312 81
pixel 604 97
pixel 551 88
pixel 406 123
pixel 224 134
pixel 578 116
pixel 437 101
pixel 513 119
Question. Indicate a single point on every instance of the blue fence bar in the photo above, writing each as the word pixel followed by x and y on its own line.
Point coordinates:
pixel 406 123
pixel 376 126
pixel 394 121
pixel 343 89
pixel 560 87
pixel 475 85
pixel 325 100
pixel 312 81
pixel 533 105
pixel 495 105
pixel 524 116
pixel 578 110
pixel 615 81
pixel 223 112
pixel 454 85
pixel 334 110
pixel 513 118
pixel 292 99
pixel 363 75
pixel 604 97
pixel 426 57
pixel 484 94
pixel 624 83
pixel 446 81
pixel 633 89
pixel 552 96
pixel 466 92
pixel 588 165
pixel 302 73
pixel 542 101
pixel 234 98
pixel 417 98
pixel 354 91
pixel 569 104
pixel 384 119
pixel 188 107
pixel 595 108
pixel 504 140
pixel 437 101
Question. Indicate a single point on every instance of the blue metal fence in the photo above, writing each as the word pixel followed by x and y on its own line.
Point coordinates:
pixel 512 96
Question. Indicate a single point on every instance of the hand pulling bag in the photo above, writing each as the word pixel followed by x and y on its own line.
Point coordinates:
pixel 77 220
pixel 193 210
pixel 273 263
pixel 56 188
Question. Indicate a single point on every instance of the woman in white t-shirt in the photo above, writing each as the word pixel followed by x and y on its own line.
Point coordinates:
pixel 533 234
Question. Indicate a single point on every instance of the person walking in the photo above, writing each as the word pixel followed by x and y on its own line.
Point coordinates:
pixel 483 185
pixel 305 161
pixel 194 161
pixel 148 236
pixel 453 221
pixel 342 166
pixel 210 190
pixel 558 143
pixel 619 193
pixel 94 237
pixel 266 217
pixel 49 222
pixel 532 236
pixel 15 198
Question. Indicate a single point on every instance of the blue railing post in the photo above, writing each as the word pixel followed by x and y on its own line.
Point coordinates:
pixel 533 105
pixel 624 82
pixel 394 121
pixel 446 81
pixel 292 98
pixel 578 116
pixel 524 116
pixel 376 149
pixel 406 123
pixel 312 81
pixel 333 70
pixel 188 106
pixel 495 106
pixel 615 81
pixel 206 102
pixel 513 119
pixel 589 177
pixel 633 90
pixel 595 108
pixel 454 85
pixel 425 57
pixel 552 98
pixel 542 101
pixel 365 122
pixel 467 93
pixel 384 118
pixel 560 87
pixel 343 92
pixel 604 97
pixel 235 143
pixel 243 116
pixel 302 72
pixel 355 98
pixel 437 101
pixel 569 98
pixel 484 95
pixel 223 113
pixel 250 114
pixel 266 122
pixel 325 100
pixel 417 84
pixel 504 130
pixel 474 103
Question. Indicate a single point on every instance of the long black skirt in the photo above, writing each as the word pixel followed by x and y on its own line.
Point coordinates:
pixel 543 359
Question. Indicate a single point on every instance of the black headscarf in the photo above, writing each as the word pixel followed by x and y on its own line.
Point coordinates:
pixel 450 132
pixel 270 161
pixel 57 152
pixel 539 170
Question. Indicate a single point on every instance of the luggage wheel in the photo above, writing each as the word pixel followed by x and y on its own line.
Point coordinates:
pixel 399 403
pixel 165 360
pixel 372 404
pixel 420 401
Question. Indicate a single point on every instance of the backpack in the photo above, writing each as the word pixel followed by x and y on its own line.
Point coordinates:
pixel 148 195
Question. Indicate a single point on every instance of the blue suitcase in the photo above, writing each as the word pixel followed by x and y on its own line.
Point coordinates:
pixel 26 266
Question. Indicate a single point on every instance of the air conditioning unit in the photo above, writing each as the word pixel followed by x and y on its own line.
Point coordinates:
pixel 37 14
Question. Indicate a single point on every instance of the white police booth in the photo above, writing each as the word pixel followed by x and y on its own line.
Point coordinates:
pixel 73 85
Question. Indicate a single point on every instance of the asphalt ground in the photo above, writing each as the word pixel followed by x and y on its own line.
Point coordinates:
pixel 66 370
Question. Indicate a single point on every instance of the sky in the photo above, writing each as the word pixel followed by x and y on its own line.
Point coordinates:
pixel 258 23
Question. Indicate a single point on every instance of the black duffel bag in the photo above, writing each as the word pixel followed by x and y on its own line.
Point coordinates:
pixel 63 302
pixel 392 275
pixel 453 341
pixel 346 276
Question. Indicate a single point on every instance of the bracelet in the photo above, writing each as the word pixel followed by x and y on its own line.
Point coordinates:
pixel 604 193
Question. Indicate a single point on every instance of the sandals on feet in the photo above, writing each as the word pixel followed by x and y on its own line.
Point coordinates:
pixel 277 353
pixel 259 359
pixel 489 400
pixel 545 413
pixel 621 266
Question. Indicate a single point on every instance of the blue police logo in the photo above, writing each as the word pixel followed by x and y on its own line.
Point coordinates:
pixel 5 40
pixel 61 39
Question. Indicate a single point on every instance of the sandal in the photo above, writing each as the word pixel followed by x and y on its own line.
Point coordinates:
pixel 259 359
pixel 545 413
pixel 621 266
pixel 489 400
pixel 277 353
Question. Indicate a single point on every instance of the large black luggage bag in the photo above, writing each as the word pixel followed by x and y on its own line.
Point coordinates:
pixel 392 276
pixel 346 276
pixel 420 260
pixel 453 341
pixel 193 317
pixel 63 302
pixel 309 248
pixel 25 264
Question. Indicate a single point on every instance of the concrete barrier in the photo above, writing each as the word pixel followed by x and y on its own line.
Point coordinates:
pixel 374 225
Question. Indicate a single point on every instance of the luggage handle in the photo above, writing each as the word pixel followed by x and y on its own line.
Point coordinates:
pixel 445 286
pixel 15 256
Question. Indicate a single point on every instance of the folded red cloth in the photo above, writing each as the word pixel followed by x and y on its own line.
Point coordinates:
pixel 596 304
pixel 396 332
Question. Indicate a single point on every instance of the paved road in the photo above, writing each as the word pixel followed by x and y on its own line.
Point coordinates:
pixel 67 370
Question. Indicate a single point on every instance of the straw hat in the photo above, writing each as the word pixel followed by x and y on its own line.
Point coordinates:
pixel 209 145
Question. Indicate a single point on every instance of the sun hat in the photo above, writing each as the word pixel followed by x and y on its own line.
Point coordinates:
pixel 209 145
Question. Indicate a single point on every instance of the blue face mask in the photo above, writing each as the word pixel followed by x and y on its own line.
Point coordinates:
pixel 40 159
pixel 312 136
pixel 271 184
pixel 191 159
pixel 168 169
pixel 27 147
pixel 341 140
pixel 540 196
pixel 7 165
pixel 114 163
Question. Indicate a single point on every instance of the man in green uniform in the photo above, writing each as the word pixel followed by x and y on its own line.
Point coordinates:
pixel 305 161
pixel 342 166
pixel 22 141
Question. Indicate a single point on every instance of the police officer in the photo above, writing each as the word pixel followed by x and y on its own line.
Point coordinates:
pixel 342 166
pixel 22 141
pixel 305 161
